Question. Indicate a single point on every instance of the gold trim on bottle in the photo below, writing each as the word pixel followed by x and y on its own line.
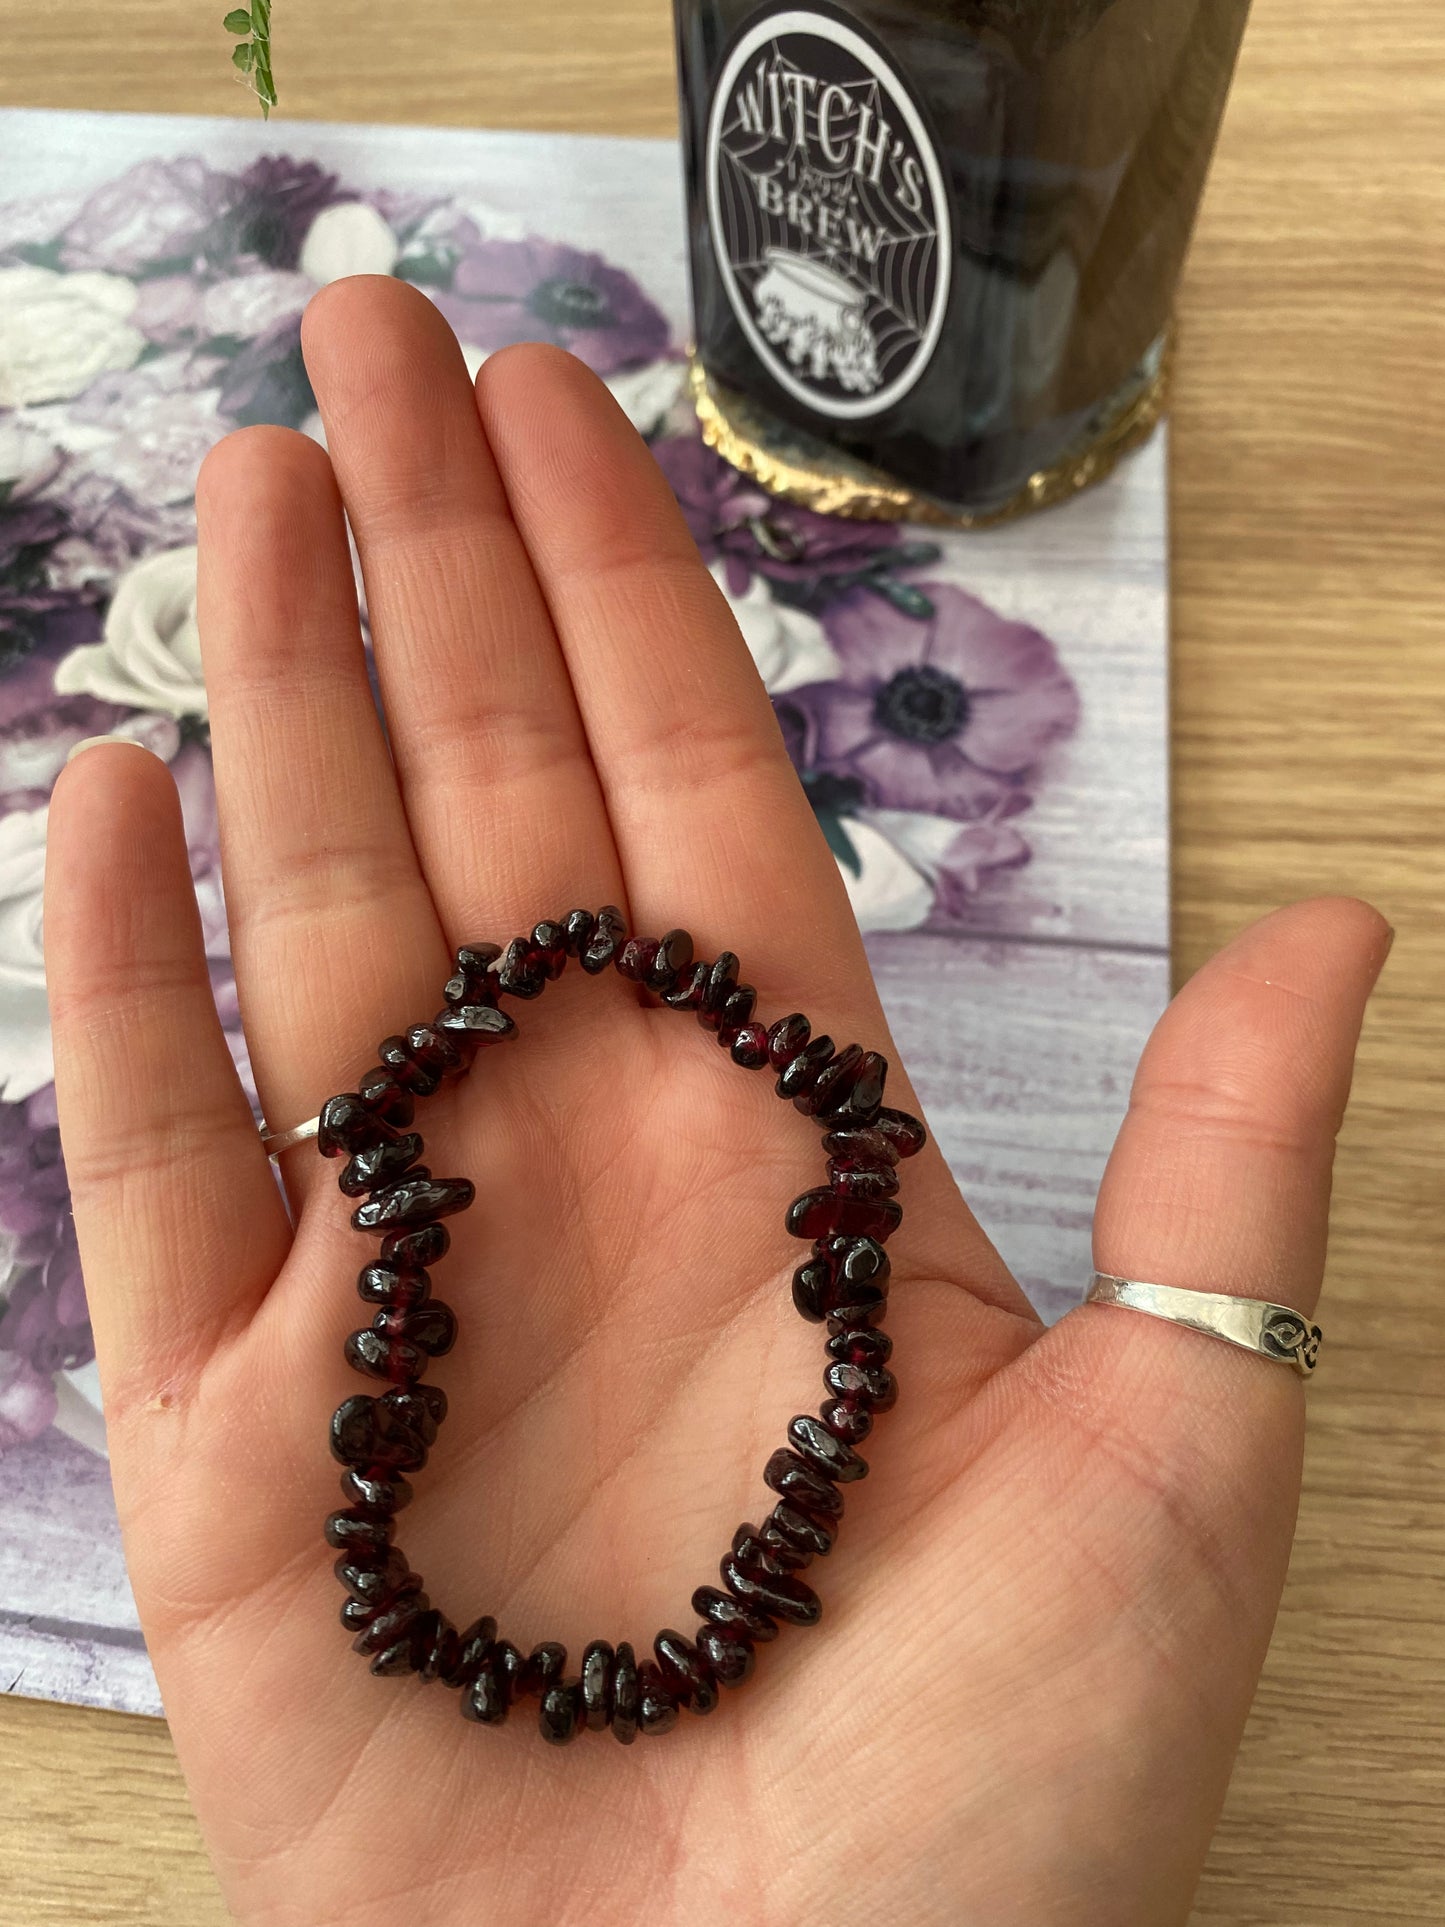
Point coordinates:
pixel 835 484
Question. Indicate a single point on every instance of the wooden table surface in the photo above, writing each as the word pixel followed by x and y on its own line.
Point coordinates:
pixel 1309 621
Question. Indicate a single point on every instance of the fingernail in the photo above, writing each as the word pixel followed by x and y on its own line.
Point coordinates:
pixel 1389 941
pixel 89 742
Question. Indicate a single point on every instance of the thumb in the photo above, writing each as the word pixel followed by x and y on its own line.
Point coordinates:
pixel 1188 1486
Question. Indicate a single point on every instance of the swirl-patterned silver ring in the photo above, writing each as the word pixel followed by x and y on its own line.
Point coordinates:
pixel 1276 1332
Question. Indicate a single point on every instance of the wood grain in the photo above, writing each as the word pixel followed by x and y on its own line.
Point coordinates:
pixel 1309 558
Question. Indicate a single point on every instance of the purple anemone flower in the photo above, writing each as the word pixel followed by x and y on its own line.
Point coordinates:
pixel 508 291
pixel 267 381
pixel 268 212
pixel 29 531
pixel 936 716
pixel 807 556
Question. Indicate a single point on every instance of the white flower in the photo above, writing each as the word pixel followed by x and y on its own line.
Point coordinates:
pixel 648 395
pixel 59 331
pixel 350 238
pixel 29 460
pixel 150 657
pixel 788 645
pixel 247 304
pixel 888 892
pixel 26 1064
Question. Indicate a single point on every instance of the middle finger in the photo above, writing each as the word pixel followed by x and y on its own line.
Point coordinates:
pixel 488 743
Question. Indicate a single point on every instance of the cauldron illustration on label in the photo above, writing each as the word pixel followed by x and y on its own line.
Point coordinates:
pixel 816 317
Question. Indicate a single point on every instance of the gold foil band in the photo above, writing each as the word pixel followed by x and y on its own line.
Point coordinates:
pixel 834 484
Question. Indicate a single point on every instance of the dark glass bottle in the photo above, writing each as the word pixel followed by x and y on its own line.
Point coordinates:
pixel 934 243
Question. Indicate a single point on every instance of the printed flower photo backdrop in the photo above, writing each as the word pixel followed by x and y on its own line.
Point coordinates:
pixel 143 325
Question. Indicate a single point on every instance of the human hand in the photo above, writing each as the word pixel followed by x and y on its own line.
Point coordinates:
pixel 1051 1599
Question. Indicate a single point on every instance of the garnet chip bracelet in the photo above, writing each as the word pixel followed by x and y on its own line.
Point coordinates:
pixel 381 1440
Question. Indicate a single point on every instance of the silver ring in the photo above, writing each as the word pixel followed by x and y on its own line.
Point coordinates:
pixel 1276 1332
pixel 276 1142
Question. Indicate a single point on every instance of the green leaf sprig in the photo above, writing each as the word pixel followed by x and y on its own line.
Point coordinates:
pixel 252 58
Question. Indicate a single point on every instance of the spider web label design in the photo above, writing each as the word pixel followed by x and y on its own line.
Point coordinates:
pixel 829 212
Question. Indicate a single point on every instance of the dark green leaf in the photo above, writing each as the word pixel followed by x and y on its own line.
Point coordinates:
pixel 40 254
pixel 426 270
pixel 243 56
pixel 839 841
pixel 238 21
pixel 903 596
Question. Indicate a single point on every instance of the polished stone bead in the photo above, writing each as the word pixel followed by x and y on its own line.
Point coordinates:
pixel 810 1438
pixel 732 1614
pixel 656 1706
pixel 635 959
pixel 434 1646
pixel 789 1598
pixel 786 1038
pixel 855 1261
pixel 394 1622
pixel 352 1531
pixel 861 1184
pixel 750 1047
pixel 365 1578
pixel 346 1126
pixel 489 1697
pixel 812 1284
pixel 625 1695
pixel 687 992
pixel 381 1164
pixel 858 1147
pixel 833 1083
pixel 903 1131
pixel 795 1480
pixel 825 1214
pixel 549 947
pixel 737 1008
pixel 377 1498
pixel 685 1673
pixel 421 1408
pixel 579 926
pixel 390 1101
pixel 860 1347
pixel 411 1202
pixel 476 959
pixel 673 960
pixel 520 972
pixel 866 1305
pixel 432 1049
pixel 786 1553
pixel 597 1665
pixel 802 1073
pixel 722 979
pixel 864 1094
pixel 395 1053
pixel 383 1357
pixel 475 1645
pixel 474 1026
pixel 868 1385
pixel 396 1658
pixel 559 1717
pixel 396 1285
pixel 414 1250
pixel 788 1525
pixel 431 1327
pixel 754 1555
pixel 727 1651
pixel 605 941
pixel 850 1423
pixel 356 1615
pixel 466 986
pixel 545 1665
pixel 369 1435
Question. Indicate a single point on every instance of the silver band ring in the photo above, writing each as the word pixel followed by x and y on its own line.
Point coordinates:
pixel 276 1142
pixel 1276 1332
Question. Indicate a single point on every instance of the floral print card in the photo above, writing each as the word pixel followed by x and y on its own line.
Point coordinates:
pixel 978 720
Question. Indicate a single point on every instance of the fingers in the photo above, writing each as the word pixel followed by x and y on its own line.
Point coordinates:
pixel 1220 1178
pixel 709 818
pixel 180 1224
pixel 503 801
pixel 316 852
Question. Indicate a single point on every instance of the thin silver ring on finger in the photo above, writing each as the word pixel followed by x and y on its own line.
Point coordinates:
pixel 1276 1332
pixel 275 1142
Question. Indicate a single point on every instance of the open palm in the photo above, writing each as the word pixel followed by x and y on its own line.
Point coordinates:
pixel 1048 1604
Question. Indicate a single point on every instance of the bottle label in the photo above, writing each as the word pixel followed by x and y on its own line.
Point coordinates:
pixel 829 211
